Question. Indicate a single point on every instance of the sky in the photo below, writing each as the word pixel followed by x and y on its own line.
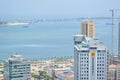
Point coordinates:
pixel 56 8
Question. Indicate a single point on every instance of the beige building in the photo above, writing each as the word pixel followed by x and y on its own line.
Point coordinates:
pixel 88 29
pixel 118 72
pixel 1 77
pixel 1 72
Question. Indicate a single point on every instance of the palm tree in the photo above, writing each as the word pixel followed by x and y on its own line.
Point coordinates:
pixel 67 57
pixel 71 57
pixel 55 57
pixel 51 58
pixel 48 58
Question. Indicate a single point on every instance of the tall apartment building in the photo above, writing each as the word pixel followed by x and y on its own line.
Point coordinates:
pixel 16 68
pixel 90 59
pixel 119 42
pixel 88 29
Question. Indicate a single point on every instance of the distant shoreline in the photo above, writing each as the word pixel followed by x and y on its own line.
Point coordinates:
pixel 13 23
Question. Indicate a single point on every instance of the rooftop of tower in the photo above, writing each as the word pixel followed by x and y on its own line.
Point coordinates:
pixel 84 43
pixel 16 58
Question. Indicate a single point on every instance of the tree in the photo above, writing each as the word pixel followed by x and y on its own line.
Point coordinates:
pixel 42 73
pixel 35 76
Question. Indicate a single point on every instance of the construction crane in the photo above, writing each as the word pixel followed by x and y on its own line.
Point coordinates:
pixel 112 46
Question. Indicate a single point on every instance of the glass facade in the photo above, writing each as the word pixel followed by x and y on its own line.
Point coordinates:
pixel 17 69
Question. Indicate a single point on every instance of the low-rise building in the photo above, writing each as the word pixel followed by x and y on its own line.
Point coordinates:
pixel 1 71
pixel 114 72
pixel 1 77
pixel 17 68
pixel 65 75
pixel 118 72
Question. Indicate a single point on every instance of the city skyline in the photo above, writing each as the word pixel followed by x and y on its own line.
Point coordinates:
pixel 43 30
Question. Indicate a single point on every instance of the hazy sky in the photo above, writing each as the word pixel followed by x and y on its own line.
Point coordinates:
pixel 56 8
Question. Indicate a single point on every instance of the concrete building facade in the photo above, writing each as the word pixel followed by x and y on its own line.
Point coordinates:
pixel 1 71
pixel 88 29
pixel 16 68
pixel 114 72
pixel 90 59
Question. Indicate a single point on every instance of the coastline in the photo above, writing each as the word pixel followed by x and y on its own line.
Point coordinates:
pixel 13 23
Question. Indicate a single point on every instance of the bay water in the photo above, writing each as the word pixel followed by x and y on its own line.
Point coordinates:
pixel 50 39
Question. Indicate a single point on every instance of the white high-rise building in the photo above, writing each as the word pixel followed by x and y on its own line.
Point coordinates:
pixel 90 59
pixel 16 68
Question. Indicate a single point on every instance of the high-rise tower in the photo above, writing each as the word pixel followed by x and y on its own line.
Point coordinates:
pixel 16 68
pixel 90 59
pixel 119 42
pixel 88 29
